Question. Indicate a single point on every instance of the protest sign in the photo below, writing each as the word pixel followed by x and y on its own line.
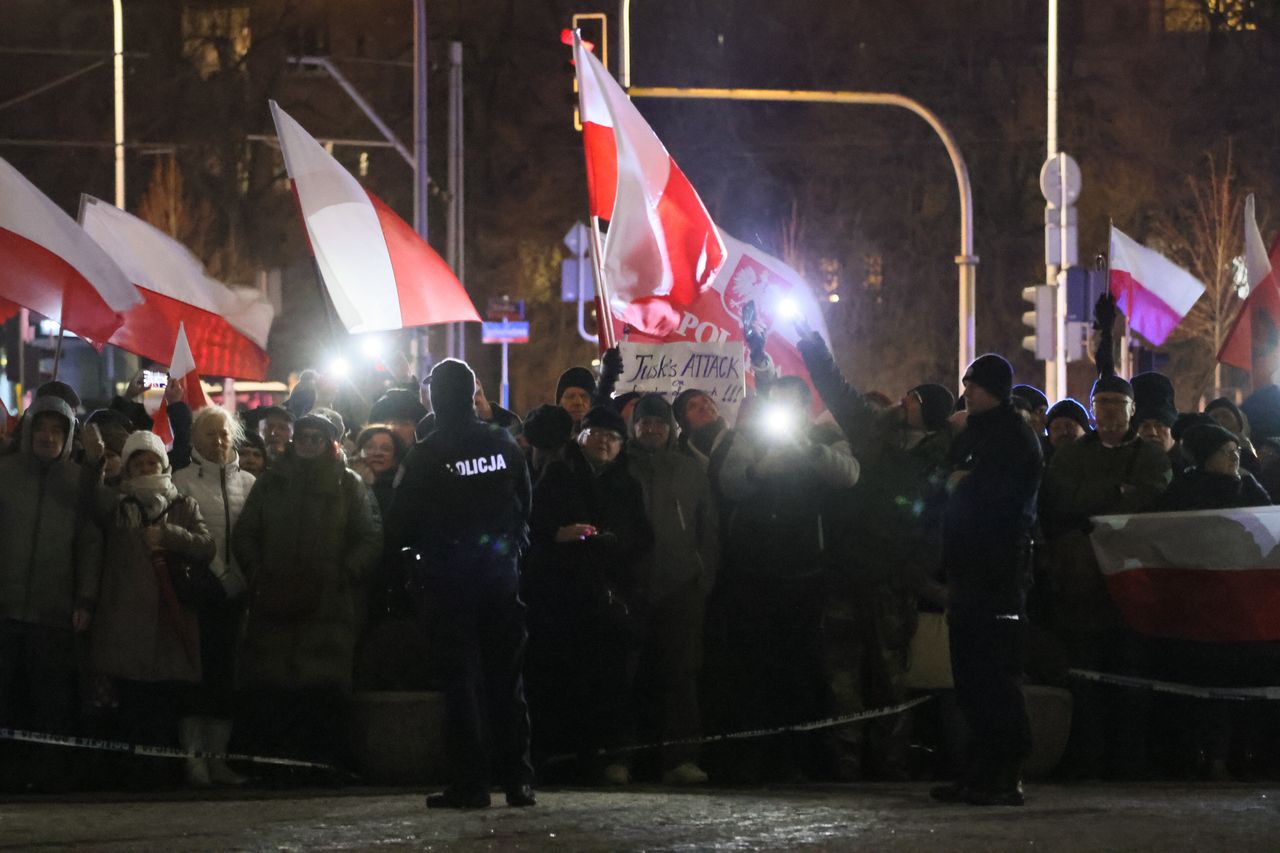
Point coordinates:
pixel 668 369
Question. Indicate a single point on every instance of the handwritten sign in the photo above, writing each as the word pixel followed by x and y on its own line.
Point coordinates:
pixel 668 369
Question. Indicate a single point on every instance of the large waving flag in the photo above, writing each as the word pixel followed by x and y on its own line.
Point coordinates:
pixel 378 271
pixel 1259 316
pixel 1152 291
pixel 1210 575
pixel 227 327
pixel 48 263
pixel 749 274
pixel 662 250
pixel 182 366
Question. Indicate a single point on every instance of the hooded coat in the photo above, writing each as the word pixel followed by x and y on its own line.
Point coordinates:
pixel 50 549
pixel 221 491
pixel 684 519
pixel 307 537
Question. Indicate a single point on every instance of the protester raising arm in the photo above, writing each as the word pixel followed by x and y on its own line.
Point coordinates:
pixel 610 371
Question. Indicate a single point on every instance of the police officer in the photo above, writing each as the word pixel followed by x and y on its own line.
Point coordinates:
pixel 462 503
pixel 996 466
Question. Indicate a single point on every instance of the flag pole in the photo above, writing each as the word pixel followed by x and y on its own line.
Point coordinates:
pixel 604 318
pixel 57 353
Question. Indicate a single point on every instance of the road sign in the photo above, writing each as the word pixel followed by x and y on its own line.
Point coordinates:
pixel 505 332
pixel 1060 180
pixel 573 275
pixel 578 240
pixel 505 308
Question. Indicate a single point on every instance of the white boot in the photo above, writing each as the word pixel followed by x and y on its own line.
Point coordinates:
pixel 217 736
pixel 191 736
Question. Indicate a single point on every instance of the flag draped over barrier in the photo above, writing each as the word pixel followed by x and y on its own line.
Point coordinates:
pixel 1210 575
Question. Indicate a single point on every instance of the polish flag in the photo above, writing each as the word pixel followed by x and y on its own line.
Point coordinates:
pixel 228 327
pixel 662 250
pixel 1259 316
pixel 378 271
pixel 1152 291
pixel 48 263
pixel 1208 575
pixel 182 366
pixel 749 274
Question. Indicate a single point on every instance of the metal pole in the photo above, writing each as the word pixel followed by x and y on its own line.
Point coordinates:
pixel 1055 369
pixel 624 44
pixel 365 107
pixel 420 187
pixel 965 261
pixel 454 240
pixel 506 379
pixel 117 61
pixel 24 322
pixel 604 314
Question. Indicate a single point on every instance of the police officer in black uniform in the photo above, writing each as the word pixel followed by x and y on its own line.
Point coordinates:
pixel 995 473
pixel 462 503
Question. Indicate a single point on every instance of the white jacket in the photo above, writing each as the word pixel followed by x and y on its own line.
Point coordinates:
pixel 221 491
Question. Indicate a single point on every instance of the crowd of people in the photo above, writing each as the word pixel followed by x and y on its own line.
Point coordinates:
pixel 610 570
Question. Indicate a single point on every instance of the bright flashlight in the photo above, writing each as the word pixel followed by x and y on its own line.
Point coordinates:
pixel 779 421
pixel 339 368
pixel 372 347
pixel 789 309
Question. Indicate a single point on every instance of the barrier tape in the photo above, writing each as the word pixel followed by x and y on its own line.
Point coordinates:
pixel 124 748
pixel 1235 693
pixel 813 726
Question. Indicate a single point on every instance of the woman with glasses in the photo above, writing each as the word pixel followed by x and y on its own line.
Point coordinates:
pixel 589 532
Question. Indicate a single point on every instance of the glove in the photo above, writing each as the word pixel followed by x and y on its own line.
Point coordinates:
pixel 755 338
pixel 611 361
pixel 1104 312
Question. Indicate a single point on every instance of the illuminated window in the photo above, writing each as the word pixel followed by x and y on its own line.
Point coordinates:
pixel 1201 16
pixel 364 164
pixel 215 37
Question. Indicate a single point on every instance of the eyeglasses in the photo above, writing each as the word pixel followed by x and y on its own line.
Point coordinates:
pixel 1234 453
pixel 605 435
pixel 309 437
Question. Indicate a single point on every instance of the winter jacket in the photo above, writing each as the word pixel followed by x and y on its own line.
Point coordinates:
pixel 778 493
pixel 1085 477
pixel 306 539
pixel 137 632
pixel 684 519
pixel 597 578
pixel 987 521
pixel 50 547
pixel 220 490
pixel 1199 489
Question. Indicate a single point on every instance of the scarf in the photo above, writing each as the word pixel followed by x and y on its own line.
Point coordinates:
pixel 151 495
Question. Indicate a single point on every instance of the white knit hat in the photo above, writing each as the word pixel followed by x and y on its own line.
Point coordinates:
pixel 144 440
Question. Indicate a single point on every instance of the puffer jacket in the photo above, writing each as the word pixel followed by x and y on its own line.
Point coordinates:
pixel 220 490
pixel 50 549
pixel 307 538
pixel 137 631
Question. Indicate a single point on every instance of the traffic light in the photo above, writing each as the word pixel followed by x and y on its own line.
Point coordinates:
pixel 594 27
pixel 1040 319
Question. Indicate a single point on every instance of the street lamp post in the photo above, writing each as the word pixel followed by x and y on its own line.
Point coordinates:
pixel 966 261
pixel 117 62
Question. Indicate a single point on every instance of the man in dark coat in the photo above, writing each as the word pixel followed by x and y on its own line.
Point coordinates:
pixel 462 504
pixel 996 465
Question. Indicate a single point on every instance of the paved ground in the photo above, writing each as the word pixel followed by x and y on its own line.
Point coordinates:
pixel 876 817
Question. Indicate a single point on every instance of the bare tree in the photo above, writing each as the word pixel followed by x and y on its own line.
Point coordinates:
pixel 1206 241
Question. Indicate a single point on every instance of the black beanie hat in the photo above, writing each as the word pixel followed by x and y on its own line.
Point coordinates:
pixel 654 406
pixel 1111 384
pixel 1068 408
pixel 1153 398
pixel 576 377
pixel 604 417
pixel 936 405
pixel 548 427
pixel 993 373
pixel 398 404
pixel 1186 421
pixel 1034 396
pixel 1225 403
pixel 1200 441
pixel 452 387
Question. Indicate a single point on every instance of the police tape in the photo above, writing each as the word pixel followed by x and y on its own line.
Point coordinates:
pixel 813 726
pixel 125 748
pixel 1194 691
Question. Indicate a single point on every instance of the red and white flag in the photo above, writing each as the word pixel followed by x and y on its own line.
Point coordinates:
pixel 227 327
pixel 661 250
pixel 1152 291
pixel 1210 575
pixel 48 263
pixel 182 367
pixel 1261 307
pixel 748 274
pixel 378 271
